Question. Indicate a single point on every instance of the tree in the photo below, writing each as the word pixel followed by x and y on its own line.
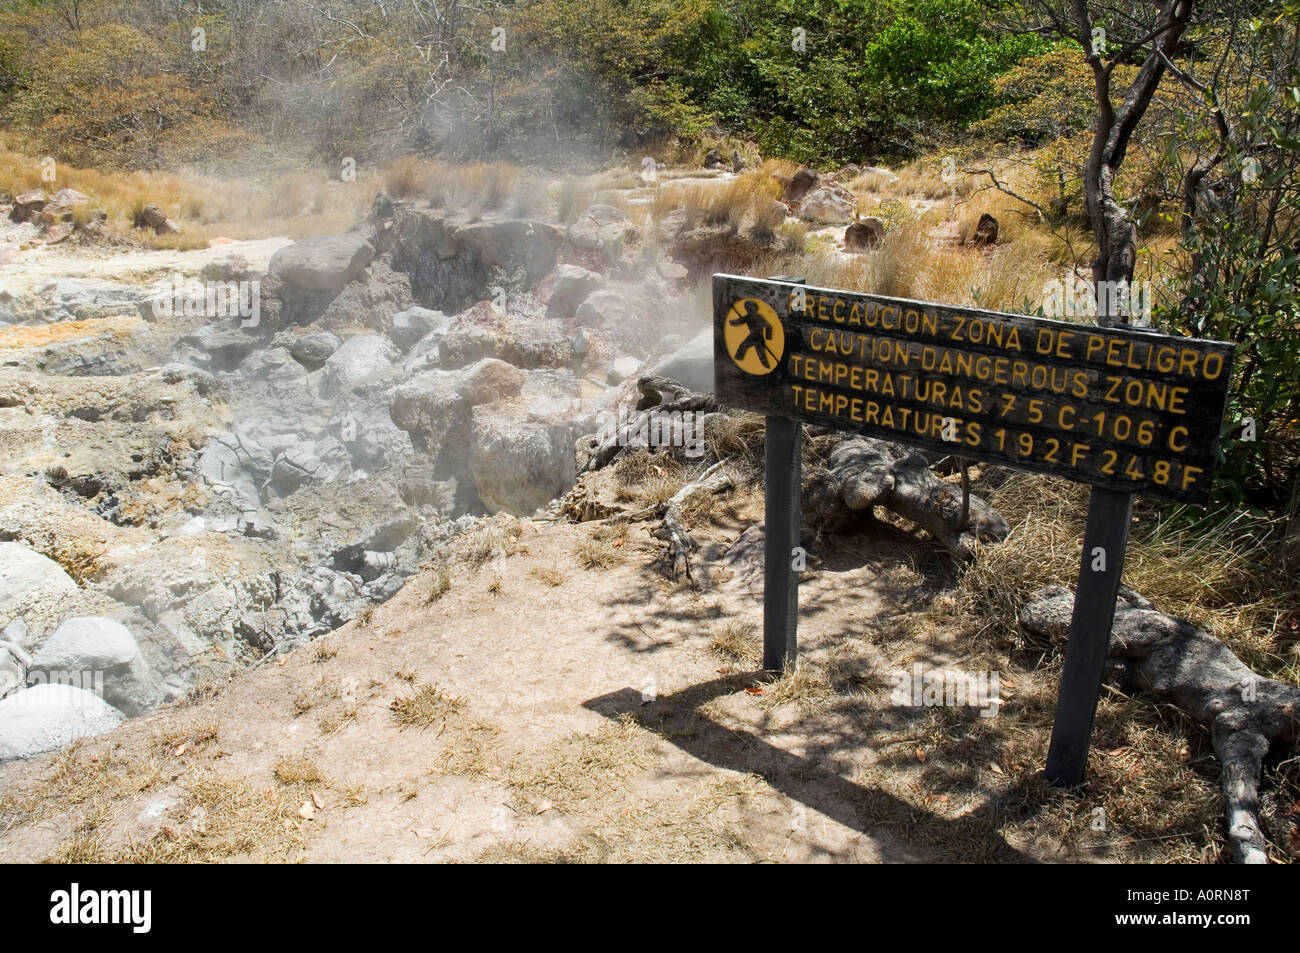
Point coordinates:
pixel 1110 36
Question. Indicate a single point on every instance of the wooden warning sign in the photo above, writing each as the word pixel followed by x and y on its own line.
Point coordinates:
pixel 1118 408
pixel 1124 410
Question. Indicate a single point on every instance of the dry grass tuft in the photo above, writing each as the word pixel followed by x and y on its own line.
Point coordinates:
pixel 192 736
pixel 297 769
pixel 409 177
pixel 226 819
pixel 805 685
pixel 336 721
pixel 1231 576
pixel 1045 516
pixel 737 641
pixel 325 688
pixel 424 706
pixel 739 436
pixel 297 204
pixel 548 574
pixel 746 200
pixel 586 767
pixel 597 554
pixel 439 582
pixel 471 751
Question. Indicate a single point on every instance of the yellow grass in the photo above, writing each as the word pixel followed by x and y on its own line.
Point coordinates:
pixel 296 204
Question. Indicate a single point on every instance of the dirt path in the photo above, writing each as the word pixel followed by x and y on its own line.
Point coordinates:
pixel 551 712
pixel 112 265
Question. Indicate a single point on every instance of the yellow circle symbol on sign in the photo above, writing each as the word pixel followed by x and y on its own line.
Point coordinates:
pixel 754 336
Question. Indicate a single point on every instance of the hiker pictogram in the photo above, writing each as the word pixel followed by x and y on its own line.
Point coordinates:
pixel 754 336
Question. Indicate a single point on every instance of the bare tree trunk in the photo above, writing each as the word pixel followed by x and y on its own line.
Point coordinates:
pixel 1115 233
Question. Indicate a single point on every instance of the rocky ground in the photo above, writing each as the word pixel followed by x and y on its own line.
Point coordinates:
pixel 223 453
pixel 328 550
pixel 563 701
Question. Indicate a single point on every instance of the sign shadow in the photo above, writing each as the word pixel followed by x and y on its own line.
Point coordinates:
pixel 902 831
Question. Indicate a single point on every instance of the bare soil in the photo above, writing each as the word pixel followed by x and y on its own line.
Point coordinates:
pixel 539 710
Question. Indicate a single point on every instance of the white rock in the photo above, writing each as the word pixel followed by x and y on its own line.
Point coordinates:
pixel 601 227
pixel 29 580
pixel 88 647
pixel 573 284
pixel 357 359
pixel 413 324
pixel 691 365
pixel 324 263
pixel 11 673
pixel 623 368
pixel 47 717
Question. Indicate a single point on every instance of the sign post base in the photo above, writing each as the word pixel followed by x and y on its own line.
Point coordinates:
pixel 1105 538
pixel 782 513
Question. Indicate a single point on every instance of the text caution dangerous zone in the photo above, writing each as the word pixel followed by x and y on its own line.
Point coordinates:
pixel 1113 407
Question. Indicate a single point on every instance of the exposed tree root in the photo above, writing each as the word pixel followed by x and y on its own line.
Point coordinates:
pixel 680 542
pixel 863 473
pixel 1246 713
pixel 659 396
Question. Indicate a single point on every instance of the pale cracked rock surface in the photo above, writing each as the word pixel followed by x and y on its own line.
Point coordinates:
pixel 47 717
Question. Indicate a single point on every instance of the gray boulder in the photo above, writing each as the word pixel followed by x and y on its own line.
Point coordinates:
pixel 831 203
pixel 521 450
pixel 324 263
pixel 295 467
pixel 691 365
pixel 357 359
pixel 196 586
pixel 48 717
pixel 239 461
pixel 522 341
pixel 151 216
pixel 572 285
pixel 864 234
pixel 27 205
pixel 302 462
pixel 228 344
pixel 313 350
pixel 426 353
pixel 601 228
pixel 799 185
pixel 61 206
pixel 12 673
pixel 435 405
pixel 413 324
pixel 608 308
pixel 96 646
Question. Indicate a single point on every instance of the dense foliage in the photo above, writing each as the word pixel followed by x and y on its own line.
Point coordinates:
pixel 814 80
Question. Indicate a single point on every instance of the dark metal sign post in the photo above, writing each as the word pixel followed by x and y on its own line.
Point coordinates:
pixel 1105 539
pixel 1123 410
pixel 782 472
pixel 782 475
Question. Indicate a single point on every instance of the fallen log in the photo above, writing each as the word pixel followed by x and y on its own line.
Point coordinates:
pixel 863 473
pixel 1246 714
